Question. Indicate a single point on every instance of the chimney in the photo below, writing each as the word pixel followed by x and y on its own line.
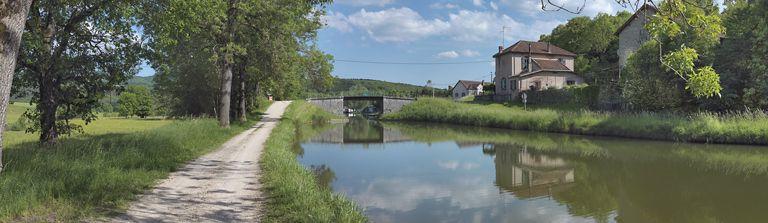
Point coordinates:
pixel 549 49
pixel 501 48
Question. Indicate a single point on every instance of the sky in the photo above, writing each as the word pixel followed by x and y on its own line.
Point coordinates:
pixel 433 31
pixel 437 31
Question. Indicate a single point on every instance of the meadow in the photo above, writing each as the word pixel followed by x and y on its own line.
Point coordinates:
pixel 731 128
pixel 99 172
pixel 294 194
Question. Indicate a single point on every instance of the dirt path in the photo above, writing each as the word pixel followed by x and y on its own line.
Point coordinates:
pixel 222 186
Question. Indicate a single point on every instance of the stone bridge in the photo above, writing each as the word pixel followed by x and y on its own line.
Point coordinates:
pixel 385 104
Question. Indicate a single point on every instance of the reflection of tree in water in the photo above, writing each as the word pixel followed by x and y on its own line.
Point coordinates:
pixel 324 175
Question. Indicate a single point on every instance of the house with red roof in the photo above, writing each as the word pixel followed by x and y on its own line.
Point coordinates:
pixel 528 65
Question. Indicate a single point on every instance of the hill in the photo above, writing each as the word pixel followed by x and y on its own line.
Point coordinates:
pixel 147 81
pixel 343 86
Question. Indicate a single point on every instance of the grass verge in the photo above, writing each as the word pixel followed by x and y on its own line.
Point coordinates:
pixel 94 175
pixel 735 128
pixel 294 195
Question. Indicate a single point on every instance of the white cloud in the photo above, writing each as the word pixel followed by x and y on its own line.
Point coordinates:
pixel 477 2
pixel 443 6
pixel 448 55
pixel 456 54
pixel 469 53
pixel 337 21
pixel 365 2
pixel 474 26
pixel 397 25
pixel 406 25
pixel 494 6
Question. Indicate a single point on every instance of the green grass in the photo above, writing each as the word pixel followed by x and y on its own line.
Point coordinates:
pixel 101 126
pixel 735 128
pixel 294 194
pixel 96 174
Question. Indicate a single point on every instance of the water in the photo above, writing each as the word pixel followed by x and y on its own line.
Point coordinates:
pixel 440 173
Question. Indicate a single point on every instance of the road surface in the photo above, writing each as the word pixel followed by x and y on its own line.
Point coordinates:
pixel 222 186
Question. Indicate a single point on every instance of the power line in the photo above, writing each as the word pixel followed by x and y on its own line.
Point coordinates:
pixel 413 63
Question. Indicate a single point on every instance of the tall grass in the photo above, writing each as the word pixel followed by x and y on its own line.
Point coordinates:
pixel 733 128
pixel 94 175
pixel 294 195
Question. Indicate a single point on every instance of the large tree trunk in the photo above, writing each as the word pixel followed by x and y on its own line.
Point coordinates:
pixel 242 96
pixel 47 108
pixel 47 86
pixel 13 16
pixel 226 89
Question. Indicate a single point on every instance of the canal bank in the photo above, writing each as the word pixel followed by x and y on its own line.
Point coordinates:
pixel 293 191
pixel 734 128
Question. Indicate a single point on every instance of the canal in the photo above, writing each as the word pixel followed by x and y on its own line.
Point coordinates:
pixel 401 172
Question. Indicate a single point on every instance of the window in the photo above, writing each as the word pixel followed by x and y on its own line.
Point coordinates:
pixel 463 94
pixel 526 62
pixel 513 84
pixel 504 83
pixel 456 95
pixel 570 82
pixel 561 60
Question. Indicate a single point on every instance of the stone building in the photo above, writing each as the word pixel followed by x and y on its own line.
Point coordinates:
pixel 534 66
pixel 632 34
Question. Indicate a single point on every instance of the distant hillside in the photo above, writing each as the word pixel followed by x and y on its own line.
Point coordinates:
pixel 378 87
pixel 142 81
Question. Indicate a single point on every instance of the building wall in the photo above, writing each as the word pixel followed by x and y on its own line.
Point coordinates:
pixel 633 36
pixel 459 89
pixel 548 80
pixel 511 64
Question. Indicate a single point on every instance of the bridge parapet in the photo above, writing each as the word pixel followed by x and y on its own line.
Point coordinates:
pixel 335 105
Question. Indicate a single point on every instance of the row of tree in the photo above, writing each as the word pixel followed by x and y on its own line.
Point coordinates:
pixel 697 58
pixel 211 57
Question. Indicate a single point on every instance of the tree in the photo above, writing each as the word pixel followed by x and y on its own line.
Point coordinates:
pixel 13 14
pixel 74 52
pixel 259 46
pixel 740 59
pixel 136 100
pixel 685 30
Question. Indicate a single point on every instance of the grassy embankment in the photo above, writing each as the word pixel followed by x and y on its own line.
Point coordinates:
pixel 98 172
pixel 737 128
pixel 294 195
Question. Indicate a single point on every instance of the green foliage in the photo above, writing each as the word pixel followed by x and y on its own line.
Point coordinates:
pixel 740 59
pixel 72 53
pixel 646 85
pixel 136 100
pixel 735 128
pixel 593 40
pixel 583 96
pixel 88 176
pixel 686 30
pixel 269 45
pixel 295 194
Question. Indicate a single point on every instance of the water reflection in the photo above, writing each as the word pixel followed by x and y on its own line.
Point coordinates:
pixel 529 175
pixel 440 173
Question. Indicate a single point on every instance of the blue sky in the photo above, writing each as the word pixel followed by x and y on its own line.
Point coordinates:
pixel 434 31
pixel 441 31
